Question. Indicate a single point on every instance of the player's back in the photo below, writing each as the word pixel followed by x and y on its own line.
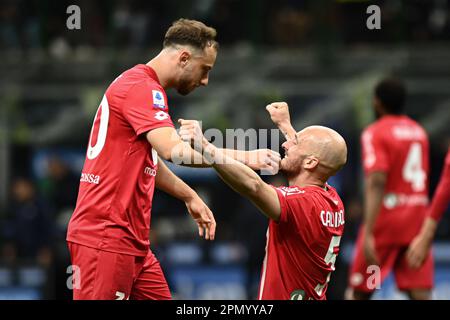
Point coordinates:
pixel 399 147
pixel 302 247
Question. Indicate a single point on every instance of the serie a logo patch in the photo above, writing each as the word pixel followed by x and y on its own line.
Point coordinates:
pixel 158 100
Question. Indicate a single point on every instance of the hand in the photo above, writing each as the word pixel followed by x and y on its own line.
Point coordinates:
pixel 279 113
pixel 369 250
pixel 191 132
pixel 203 216
pixel 264 159
pixel 418 251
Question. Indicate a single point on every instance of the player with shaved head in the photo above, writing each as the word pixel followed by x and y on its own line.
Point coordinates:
pixel 307 217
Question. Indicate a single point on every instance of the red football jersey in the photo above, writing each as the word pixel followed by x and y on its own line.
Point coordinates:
pixel 303 245
pixel 398 146
pixel 441 196
pixel 118 177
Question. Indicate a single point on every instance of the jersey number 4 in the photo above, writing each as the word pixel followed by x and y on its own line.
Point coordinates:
pixel 412 169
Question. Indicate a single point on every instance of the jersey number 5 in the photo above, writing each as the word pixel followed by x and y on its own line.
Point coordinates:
pixel 101 122
pixel 330 259
pixel 412 170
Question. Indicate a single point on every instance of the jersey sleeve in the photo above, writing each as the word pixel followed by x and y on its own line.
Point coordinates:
pixel 144 110
pixel 374 152
pixel 441 196
pixel 293 206
pixel 283 204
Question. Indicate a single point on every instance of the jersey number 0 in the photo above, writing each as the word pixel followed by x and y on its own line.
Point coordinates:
pixel 103 109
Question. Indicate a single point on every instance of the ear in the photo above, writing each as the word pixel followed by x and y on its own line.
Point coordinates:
pixel 310 163
pixel 184 57
pixel 378 104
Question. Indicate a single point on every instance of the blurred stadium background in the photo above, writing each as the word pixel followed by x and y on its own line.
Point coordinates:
pixel 318 56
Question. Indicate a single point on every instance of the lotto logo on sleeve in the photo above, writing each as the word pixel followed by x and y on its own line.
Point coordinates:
pixel 161 115
pixel 158 100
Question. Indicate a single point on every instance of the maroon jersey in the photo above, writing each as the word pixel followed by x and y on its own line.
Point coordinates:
pixel 398 146
pixel 441 196
pixel 303 245
pixel 118 177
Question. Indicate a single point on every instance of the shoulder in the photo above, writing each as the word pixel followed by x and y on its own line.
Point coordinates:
pixel 296 198
pixel 406 128
pixel 136 79
pixel 147 84
pixel 148 91
pixel 294 202
pixel 291 192
pixel 333 195
pixel 420 130
pixel 375 129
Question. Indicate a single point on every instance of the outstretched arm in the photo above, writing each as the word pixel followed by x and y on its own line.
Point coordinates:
pixel 260 159
pixel 169 146
pixel 168 182
pixel 237 175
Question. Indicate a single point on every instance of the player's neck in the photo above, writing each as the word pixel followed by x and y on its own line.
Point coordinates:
pixel 159 65
pixel 306 179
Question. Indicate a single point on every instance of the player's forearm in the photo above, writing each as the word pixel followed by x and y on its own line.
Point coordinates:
pixel 242 156
pixel 428 229
pixel 236 174
pixel 441 196
pixel 168 182
pixel 196 160
pixel 238 155
pixel 184 155
pixel 374 192
pixel 287 130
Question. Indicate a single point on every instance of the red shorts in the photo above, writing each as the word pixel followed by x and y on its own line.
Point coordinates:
pixel 103 275
pixel 391 258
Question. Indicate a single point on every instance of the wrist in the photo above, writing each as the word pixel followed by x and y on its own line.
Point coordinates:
pixel 428 229
pixel 188 196
pixel 205 143
pixel 287 129
pixel 209 152
pixel 284 125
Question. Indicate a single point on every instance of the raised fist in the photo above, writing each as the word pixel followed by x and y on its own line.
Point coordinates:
pixel 279 113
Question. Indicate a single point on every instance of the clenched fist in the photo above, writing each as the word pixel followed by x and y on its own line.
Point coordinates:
pixel 279 113
pixel 191 132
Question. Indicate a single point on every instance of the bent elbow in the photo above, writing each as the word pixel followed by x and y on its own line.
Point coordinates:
pixel 170 153
pixel 253 187
pixel 166 155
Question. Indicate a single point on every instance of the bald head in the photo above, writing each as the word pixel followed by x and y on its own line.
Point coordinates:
pixel 318 149
pixel 326 145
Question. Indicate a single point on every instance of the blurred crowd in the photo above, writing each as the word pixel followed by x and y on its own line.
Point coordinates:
pixel 131 24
